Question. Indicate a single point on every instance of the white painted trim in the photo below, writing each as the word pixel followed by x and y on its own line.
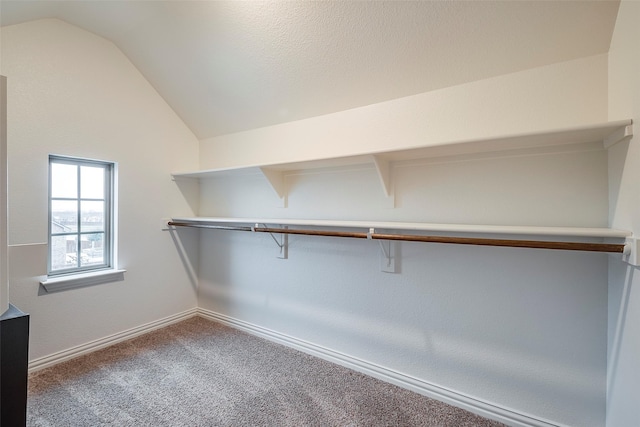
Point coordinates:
pixel 4 265
pixel 443 394
pixel 61 283
pixel 62 356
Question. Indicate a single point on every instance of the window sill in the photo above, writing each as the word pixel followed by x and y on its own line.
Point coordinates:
pixel 61 283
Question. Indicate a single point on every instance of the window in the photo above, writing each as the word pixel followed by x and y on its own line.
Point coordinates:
pixel 81 207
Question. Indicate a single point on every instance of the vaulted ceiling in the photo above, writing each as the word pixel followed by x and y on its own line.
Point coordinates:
pixel 228 66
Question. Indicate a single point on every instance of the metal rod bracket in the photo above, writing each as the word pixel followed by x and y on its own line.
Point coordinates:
pixel 631 254
pixel 282 243
pixel 388 259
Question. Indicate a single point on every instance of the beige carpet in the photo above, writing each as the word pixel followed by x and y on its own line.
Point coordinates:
pixel 201 373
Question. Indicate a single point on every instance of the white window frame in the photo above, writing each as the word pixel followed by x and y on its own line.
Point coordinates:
pixel 61 279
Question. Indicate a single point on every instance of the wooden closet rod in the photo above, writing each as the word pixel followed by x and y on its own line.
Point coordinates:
pixel 533 244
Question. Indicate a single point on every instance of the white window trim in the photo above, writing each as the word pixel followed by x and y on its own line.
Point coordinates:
pixel 90 276
pixel 71 280
pixel 78 280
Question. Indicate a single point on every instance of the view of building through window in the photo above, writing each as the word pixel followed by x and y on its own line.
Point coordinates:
pixel 79 215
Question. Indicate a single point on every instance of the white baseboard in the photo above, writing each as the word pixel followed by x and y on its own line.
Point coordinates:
pixel 460 400
pixel 61 356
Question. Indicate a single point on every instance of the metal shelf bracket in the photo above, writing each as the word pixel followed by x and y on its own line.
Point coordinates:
pixel 283 242
pixel 388 260
pixel 631 254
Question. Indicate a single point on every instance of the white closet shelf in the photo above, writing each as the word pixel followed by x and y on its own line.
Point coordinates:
pixel 577 232
pixel 564 238
pixel 608 133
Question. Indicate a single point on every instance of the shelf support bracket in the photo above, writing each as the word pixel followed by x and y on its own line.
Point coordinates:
pixel 388 260
pixel 277 182
pixel 383 169
pixel 282 243
pixel 387 253
pixel 631 254
pixel 618 135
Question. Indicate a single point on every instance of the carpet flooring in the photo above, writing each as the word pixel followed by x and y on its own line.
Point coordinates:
pixel 201 373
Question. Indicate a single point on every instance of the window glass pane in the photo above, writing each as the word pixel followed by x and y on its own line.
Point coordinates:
pixel 92 249
pixel 92 182
pixel 64 216
pixel 63 252
pixel 64 180
pixel 92 216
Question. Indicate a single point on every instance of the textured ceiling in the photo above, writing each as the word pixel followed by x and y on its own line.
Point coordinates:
pixel 228 66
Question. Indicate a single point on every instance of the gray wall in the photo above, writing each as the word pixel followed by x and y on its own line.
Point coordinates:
pixel 523 329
